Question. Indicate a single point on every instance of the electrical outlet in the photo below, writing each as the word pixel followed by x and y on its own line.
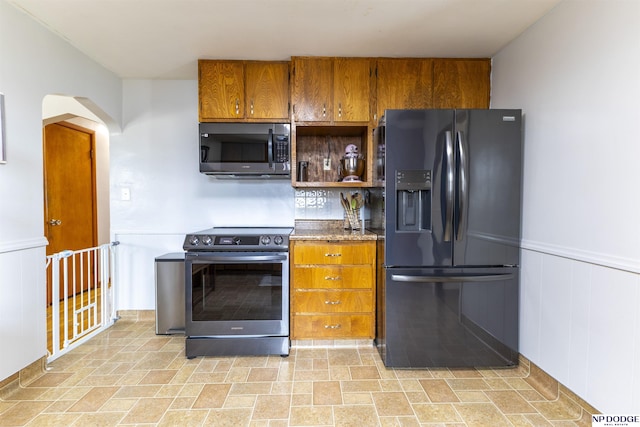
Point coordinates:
pixel 326 165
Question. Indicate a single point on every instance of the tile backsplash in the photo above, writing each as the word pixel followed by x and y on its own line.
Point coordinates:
pixel 321 203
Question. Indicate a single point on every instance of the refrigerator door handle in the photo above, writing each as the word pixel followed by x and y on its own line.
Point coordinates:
pixel 442 279
pixel 450 180
pixel 463 185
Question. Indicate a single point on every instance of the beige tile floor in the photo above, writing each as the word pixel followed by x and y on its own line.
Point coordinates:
pixel 129 376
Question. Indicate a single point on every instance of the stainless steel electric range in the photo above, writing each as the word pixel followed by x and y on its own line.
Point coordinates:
pixel 237 291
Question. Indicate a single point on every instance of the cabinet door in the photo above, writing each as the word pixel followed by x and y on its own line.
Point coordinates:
pixel 220 90
pixel 312 83
pixel 267 88
pixel 461 83
pixel 351 89
pixel 403 83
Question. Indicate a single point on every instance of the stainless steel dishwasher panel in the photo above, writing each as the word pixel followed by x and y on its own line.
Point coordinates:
pixel 170 305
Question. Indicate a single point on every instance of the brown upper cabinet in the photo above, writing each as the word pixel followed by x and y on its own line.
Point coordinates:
pixel 331 89
pixel 461 83
pixel 243 90
pixel 336 101
pixel 403 83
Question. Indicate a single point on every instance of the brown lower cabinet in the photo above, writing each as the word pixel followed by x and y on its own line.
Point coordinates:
pixel 332 289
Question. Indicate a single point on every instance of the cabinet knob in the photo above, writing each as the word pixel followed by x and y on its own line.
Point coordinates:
pixel 332 302
pixel 340 109
pixel 237 106
pixel 324 110
pixel 332 277
pixel 251 107
pixel 55 222
pixel 332 254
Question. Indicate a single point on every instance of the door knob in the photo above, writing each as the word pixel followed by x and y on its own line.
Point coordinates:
pixel 55 222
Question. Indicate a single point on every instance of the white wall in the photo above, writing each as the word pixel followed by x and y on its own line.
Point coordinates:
pixel 157 160
pixel 576 75
pixel 33 64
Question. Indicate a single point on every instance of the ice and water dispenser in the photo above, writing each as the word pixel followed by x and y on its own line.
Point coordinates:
pixel 413 200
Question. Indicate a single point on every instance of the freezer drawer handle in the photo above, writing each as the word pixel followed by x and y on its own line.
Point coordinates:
pixel 441 279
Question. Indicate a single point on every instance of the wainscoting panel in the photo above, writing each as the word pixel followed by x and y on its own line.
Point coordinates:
pixel 22 305
pixel 580 322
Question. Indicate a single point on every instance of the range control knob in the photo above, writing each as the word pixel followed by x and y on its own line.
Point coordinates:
pixel 278 240
pixel 207 240
pixel 265 240
pixel 193 240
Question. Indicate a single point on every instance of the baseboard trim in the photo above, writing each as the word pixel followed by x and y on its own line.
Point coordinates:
pixel 137 315
pixel 23 378
pixel 562 403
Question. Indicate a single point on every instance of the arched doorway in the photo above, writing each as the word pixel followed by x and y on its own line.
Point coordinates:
pixel 76 207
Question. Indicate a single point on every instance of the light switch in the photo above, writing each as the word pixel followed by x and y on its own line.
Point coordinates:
pixel 125 194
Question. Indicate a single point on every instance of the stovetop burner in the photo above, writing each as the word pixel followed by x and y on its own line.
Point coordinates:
pixel 239 239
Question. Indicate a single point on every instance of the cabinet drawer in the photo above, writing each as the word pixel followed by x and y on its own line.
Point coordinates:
pixel 333 253
pixel 332 326
pixel 332 277
pixel 332 302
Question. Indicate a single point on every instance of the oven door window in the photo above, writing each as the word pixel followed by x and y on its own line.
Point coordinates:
pixel 226 292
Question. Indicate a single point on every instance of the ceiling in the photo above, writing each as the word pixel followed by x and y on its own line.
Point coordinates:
pixel 163 39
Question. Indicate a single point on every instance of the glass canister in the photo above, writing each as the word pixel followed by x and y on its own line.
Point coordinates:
pixel 352 219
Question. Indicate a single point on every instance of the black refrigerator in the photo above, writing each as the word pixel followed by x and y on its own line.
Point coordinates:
pixel 449 202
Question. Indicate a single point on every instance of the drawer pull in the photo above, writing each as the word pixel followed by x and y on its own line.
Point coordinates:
pixel 338 326
pixel 332 278
pixel 332 254
pixel 332 302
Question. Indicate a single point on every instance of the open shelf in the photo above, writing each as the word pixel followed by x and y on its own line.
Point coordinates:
pixel 314 143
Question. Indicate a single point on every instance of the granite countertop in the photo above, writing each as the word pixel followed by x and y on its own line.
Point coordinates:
pixel 328 230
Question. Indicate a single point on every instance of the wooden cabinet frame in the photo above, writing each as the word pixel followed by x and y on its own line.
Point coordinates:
pixel 244 91
pixel 333 289
pixel 336 101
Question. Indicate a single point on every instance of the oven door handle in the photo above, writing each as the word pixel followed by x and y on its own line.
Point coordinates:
pixel 242 258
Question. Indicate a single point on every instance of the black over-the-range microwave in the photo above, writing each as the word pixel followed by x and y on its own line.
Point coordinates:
pixel 250 150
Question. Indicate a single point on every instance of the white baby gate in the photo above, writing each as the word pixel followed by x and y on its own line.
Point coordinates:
pixel 82 296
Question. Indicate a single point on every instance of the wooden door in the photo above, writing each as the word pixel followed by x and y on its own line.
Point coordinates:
pixel 221 90
pixel 69 190
pixel 403 83
pixel 267 90
pixel 312 89
pixel 351 89
pixel 461 83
